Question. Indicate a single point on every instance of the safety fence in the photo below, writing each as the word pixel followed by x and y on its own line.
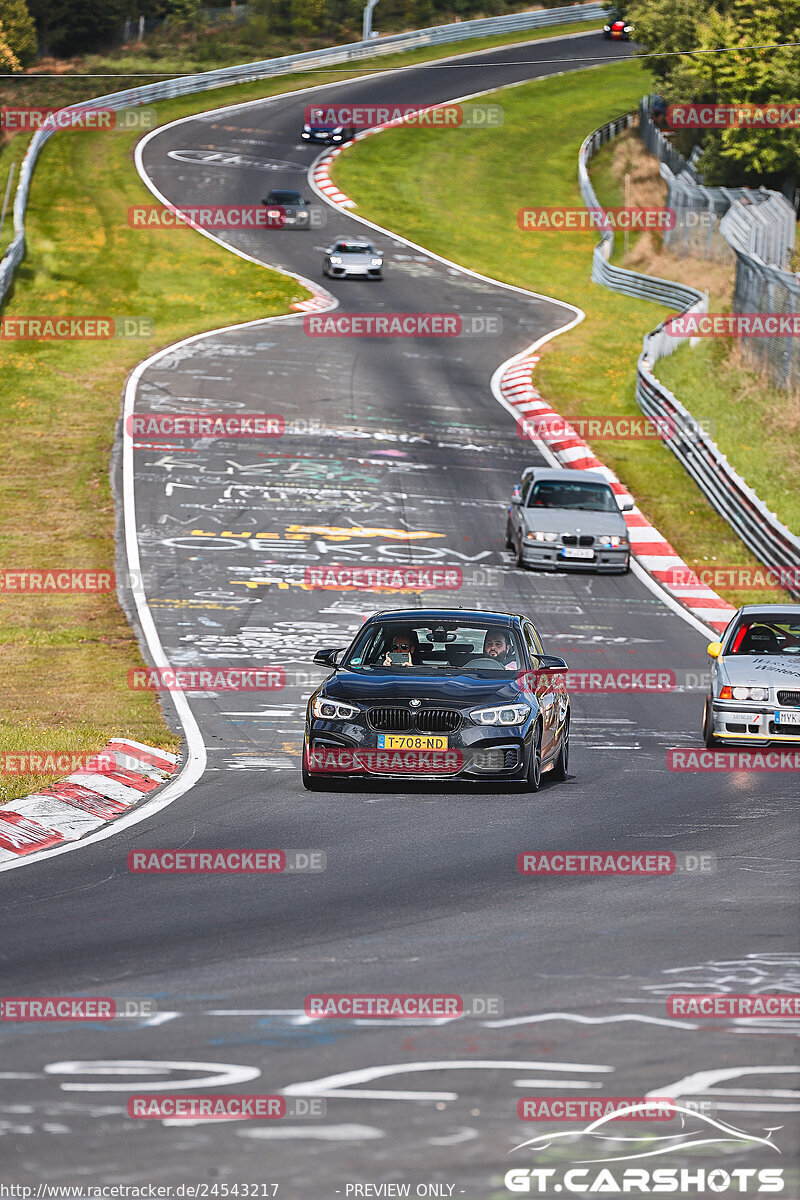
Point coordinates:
pixel 759 529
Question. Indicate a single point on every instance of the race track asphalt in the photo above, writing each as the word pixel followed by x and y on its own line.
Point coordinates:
pixel 400 454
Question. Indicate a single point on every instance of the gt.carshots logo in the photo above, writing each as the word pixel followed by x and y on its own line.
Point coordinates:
pixel 638 1179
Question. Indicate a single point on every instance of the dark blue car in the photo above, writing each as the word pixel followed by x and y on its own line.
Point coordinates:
pixel 439 694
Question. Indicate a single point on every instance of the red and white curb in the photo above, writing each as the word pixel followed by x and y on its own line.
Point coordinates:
pixel 70 809
pixel 321 175
pixel 650 548
pixel 320 300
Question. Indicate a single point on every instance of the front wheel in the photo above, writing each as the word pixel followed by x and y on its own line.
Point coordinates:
pixel 509 538
pixel 518 559
pixel 708 726
pixel 561 765
pixel 310 782
pixel 534 776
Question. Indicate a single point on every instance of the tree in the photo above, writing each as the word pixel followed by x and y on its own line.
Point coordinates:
pixel 19 31
pixel 78 26
pixel 8 59
pixel 717 65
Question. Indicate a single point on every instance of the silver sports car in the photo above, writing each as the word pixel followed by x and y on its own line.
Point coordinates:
pixel 755 678
pixel 559 520
pixel 347 257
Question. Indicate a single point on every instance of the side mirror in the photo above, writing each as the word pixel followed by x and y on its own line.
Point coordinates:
pixel 626 503
pixel 551 664
pixel 516 495
pixel 713 649
pixel 327 658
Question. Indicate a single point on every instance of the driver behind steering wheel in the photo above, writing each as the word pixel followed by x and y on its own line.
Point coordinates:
pixel 497 645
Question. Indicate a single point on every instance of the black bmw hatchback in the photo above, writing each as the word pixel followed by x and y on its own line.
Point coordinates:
pixel 439 694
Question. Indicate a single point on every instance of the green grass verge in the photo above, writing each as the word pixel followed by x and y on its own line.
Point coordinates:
pixel 755 426
pixel 458 192
pixel 66 658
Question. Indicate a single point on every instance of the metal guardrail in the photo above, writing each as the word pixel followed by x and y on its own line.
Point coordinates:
pixel 618 279
pixel 224 76
pixel 759 529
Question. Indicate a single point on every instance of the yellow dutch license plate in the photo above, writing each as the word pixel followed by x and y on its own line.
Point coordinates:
pixel 410 741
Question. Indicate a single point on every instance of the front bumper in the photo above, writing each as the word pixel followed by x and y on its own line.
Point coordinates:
pixel 546 556
pixel 473 753
pixel 355 272
pixel 746 724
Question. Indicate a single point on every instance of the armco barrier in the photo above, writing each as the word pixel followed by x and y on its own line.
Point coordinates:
pixel 759 529
pixel 225 76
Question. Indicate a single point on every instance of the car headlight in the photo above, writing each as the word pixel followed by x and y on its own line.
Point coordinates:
pixel 749 693
pixel 375 262
pixel 333 710
pixel 606 29
pixel 504 714
pixel 334 258
pixel 274 214
pixel 540 535
pixel 628 29
pixel 612 540
pixel 306 129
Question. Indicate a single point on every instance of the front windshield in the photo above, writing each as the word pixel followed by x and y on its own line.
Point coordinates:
pixel 355 249
pixel 284 197
pixel 766 635
pixel 591 497
pixel 444 648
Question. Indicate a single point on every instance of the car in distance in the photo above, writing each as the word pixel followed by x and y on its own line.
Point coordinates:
pixel 755 678
pixel 325 134
pixel 439 693
pixel 348 258
pixel 567 520
pixel 618 29
pixel 287 209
